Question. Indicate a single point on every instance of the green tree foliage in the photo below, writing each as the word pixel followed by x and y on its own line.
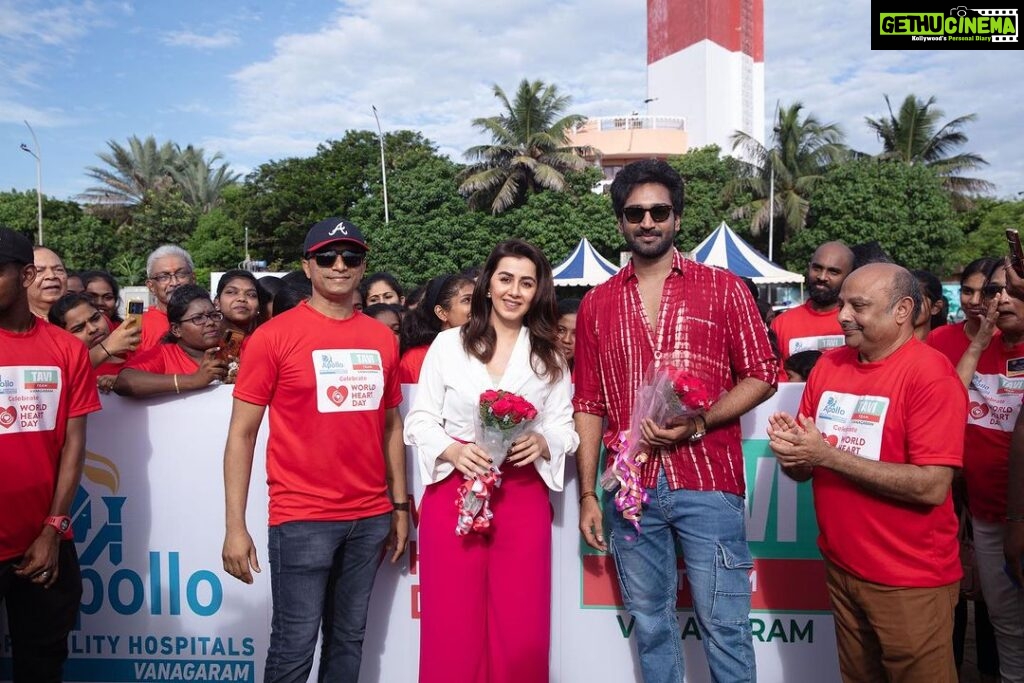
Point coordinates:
pixel 200 183
pixel 83 241
pixel 529 148
pixel 903 207
pixel 914 136
pixel 707 199
pixel 143 168
pixel 129 269
pixel 555 221
pixel 985 227
pixel 218 242
pixel 431 231
pixel 161 218
pixel 282 199
pixel 131 171
pixel 800 151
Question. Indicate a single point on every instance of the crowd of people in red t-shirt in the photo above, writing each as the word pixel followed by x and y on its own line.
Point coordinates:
pixel 888 381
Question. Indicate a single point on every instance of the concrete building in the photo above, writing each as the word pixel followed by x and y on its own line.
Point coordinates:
pixel 705 80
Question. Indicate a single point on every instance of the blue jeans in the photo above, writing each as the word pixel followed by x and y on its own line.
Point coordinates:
pixel 710 527
pixel 321 572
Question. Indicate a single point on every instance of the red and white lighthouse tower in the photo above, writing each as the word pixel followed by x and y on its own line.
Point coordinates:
pixel 705 62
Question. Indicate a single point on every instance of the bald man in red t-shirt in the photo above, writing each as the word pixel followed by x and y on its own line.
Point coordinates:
pixel 873 433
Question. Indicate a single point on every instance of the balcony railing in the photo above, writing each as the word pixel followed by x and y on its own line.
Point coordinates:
pixel 632 122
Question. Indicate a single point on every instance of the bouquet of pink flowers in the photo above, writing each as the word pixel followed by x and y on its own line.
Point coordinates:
pixel 503 418
pixel 667 395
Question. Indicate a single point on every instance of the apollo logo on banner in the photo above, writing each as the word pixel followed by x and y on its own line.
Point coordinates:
pixel 142 587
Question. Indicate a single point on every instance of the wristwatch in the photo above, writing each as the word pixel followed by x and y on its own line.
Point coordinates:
pixel 699 429
pixel 62 523
pixel 401 507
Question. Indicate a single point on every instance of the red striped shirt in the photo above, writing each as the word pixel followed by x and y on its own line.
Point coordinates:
pixel 708 319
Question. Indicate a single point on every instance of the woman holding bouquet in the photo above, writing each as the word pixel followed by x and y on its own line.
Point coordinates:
pixel 485 597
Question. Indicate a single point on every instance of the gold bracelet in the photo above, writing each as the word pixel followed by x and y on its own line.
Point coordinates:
pixel 177 389
pixel 588 494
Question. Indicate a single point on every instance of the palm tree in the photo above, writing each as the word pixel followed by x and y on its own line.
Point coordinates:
pixel 800 152
pixel 200 184
pixel 131 172
pixel 529 152
pixel 914 136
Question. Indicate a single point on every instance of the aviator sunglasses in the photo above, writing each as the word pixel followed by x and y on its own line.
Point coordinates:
pixel 352 259
pixel 635 214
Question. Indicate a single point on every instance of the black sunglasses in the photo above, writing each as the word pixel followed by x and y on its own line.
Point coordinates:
pixel 992 291
pixel 659 213
pixel 352 259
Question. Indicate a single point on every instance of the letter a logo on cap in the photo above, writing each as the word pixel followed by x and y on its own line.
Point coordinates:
pixel 339 228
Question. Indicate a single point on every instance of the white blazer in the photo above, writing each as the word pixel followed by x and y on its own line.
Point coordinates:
pixel 448 398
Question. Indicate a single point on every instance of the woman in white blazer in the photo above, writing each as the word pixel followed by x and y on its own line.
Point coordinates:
pixel 485 598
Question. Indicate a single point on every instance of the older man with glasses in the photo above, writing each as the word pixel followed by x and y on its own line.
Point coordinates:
pixel 167 268
pixel 51 281
pixel 335 461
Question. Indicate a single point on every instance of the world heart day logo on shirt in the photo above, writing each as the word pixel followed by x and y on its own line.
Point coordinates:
pixel 337 394
pixel 977 410
pixel 8 416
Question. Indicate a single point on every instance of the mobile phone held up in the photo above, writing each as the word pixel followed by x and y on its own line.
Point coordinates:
pixel 134 311
pixel 1016 253
pixel 231 345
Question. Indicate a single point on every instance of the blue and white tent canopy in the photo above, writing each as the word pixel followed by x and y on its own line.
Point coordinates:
pixel 725 249
pixel 584 267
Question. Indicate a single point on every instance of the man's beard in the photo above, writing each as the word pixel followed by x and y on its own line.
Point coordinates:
pixel 652 251
pixel 822 297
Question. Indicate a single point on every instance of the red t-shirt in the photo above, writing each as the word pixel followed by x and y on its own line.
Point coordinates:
pixel 45 379
pixel 898 410
pixel 154 326
pixel 409 366
pixel 805 329
pixel 107 369
pixel 163 359
pixel 327 383
pixel 995 401
pixel 951 340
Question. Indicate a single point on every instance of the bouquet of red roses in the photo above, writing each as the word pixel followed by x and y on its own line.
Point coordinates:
pixel 668 393
pixel 503 418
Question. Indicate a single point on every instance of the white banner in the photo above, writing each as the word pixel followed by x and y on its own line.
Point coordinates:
pixel 157 606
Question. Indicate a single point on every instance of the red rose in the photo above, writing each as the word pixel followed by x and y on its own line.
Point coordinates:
pixel 502 407
pixel 490 396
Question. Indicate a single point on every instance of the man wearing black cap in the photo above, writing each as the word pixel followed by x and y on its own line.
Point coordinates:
pixel 335 461
pixel 46 391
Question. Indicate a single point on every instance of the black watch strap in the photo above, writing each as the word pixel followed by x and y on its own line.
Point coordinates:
pixel 402 507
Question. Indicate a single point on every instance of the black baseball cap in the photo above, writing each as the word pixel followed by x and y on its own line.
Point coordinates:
pixel 331 230
pixel 15 247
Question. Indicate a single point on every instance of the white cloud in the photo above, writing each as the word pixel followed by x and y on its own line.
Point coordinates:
pixel 214 41
pixel 821 55
pixel 430 66
pixel 22 23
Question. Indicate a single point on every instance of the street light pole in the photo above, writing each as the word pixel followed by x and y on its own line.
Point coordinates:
pixel 39 179
pixel 771 184
pixel 383 172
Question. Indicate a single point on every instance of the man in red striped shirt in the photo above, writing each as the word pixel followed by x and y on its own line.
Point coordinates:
pixel 666 308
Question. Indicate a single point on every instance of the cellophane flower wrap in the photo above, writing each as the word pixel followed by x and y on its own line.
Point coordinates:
pixel 668 393
pixel 504 417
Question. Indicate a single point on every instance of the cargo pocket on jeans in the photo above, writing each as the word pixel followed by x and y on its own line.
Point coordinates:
pixel 731 593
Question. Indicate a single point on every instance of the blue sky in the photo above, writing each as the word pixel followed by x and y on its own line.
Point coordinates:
pixel 264 80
